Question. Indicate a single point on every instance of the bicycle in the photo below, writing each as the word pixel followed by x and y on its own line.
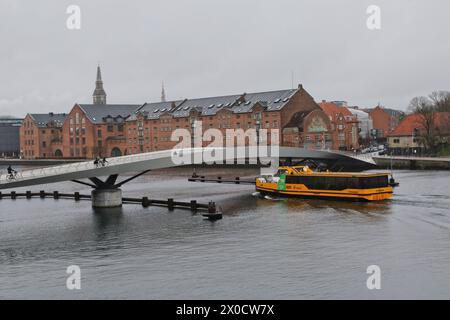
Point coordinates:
pixel 13 176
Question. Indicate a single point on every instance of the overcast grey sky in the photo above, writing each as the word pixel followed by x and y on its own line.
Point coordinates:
pixel 216 47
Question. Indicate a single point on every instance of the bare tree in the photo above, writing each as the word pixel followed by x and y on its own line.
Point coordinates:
pixel 441 100
pixel 427 131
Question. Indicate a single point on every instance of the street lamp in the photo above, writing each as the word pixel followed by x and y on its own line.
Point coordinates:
pixel 193 126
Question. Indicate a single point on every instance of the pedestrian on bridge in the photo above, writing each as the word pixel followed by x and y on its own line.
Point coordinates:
pixel 104 162
pixel 97 162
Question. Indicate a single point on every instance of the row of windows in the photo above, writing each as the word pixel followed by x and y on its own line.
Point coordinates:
pixel 77 140
pixel 398 140
pixel 77 119
pixel 318 137
pixel 256 116
pixel 29 142
pixel 29 153
pixel 77 131
pixel 339 183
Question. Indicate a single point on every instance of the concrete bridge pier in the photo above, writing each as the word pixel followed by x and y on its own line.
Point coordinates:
pixel 107 194
pixel 106 198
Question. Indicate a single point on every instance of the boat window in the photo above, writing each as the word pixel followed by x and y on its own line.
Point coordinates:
pixel 353 183
pixel 374 182
pixel 336 183
pixel 341 183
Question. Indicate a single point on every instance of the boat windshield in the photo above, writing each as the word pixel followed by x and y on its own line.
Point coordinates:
pixel 280 172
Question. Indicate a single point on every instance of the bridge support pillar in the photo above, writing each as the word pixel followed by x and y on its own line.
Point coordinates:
pixel 106 198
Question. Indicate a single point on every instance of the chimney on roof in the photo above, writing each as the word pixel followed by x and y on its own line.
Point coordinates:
pixel 300 86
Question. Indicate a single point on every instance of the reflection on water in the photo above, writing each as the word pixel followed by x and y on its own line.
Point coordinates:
pixel 105 217
pixel 277 248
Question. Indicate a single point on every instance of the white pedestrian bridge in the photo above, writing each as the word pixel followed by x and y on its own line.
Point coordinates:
pixel 145 162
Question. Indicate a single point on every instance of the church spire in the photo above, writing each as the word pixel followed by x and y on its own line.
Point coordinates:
pixel 99 95
pixel 163 93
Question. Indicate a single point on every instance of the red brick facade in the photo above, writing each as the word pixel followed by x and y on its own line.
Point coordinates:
pixel 41 136
pixel 344 126
pixel 384 120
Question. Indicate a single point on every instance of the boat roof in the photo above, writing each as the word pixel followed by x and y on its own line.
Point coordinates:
pixel 309 172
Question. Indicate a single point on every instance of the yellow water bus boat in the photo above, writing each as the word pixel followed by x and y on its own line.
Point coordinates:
pixel 301 181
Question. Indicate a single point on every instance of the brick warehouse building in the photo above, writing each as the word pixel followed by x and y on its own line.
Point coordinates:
pixel 91 130
pixel 151 126
pixel 106 130
pixel 41 136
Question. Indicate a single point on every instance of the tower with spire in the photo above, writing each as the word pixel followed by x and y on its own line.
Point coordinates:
pixel 163 94
pixel 99 95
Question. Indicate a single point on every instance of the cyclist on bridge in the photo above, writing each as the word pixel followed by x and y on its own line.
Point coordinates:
pixel 11 172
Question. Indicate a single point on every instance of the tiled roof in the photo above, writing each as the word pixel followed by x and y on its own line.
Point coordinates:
pixel 391 112
pixel 207 106
pixel 238 103
pixel 274 100
pixel 414 121
pixel 96 113
pixel 332 110
pixel 44 120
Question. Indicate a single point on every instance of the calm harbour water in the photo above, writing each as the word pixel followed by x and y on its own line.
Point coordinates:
pixel 262 249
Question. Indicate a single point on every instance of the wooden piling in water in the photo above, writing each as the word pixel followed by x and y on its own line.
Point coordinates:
pixel 145 202
pixel 194 205
pixel 170 204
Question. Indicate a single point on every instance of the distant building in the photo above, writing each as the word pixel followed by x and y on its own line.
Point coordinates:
pixel 10 137
pixel 41 136
pixel 364 121
pixel 384 120
pixel 344 126
pixel 407 138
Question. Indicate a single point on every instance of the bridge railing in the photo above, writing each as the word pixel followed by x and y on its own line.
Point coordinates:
pixel 366 157
pixel 78 166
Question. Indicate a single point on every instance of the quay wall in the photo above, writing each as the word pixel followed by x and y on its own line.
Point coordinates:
pixel 413 163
